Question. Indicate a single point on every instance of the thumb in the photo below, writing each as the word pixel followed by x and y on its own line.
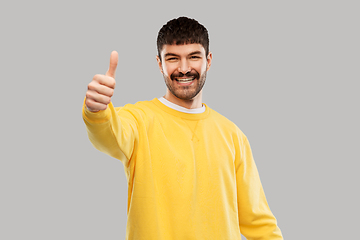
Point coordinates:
pixel 113 64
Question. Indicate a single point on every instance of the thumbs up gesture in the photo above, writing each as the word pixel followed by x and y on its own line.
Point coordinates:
pixel 101 88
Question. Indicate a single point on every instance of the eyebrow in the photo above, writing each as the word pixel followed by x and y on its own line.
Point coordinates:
pixel 175 55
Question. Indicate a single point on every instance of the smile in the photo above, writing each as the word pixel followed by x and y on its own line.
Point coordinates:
pixel 185 79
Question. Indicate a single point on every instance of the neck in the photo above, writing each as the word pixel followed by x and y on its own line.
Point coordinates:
pixel 196 102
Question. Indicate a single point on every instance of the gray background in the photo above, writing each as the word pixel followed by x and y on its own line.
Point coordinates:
pixel 286 72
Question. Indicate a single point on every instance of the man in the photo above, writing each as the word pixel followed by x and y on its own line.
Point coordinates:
pixel 190 171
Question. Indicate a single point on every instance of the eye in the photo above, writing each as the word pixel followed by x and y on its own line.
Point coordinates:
pixel 194 57
pixel 172 59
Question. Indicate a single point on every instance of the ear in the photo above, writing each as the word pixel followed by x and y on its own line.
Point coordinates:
pixel 159 63
pixel 209 59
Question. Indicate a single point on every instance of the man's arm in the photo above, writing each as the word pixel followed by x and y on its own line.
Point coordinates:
pixel 108 130
pixel 255 218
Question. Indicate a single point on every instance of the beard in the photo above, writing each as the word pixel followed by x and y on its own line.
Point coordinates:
pixel 185 92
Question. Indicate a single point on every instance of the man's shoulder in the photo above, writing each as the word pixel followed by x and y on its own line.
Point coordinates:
pixel 221 118
pixel 224 121
pixel 139 110
pixel 140 105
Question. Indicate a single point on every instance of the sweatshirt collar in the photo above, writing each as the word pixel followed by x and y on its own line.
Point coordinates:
pixel 180 108
pixel 189 116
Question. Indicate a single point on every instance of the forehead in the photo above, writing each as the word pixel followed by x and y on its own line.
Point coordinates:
pixel 184 49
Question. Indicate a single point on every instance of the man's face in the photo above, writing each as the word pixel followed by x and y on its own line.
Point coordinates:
pixel 184 68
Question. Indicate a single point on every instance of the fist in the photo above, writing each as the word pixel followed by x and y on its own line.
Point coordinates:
pixel 101 88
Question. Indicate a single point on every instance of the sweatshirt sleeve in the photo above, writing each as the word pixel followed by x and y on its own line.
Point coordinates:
pixel 255 218
pixel 112 131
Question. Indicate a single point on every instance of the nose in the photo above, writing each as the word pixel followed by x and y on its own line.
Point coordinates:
pixel 184 67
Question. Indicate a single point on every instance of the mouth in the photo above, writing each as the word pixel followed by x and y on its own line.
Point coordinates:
pixel 185 80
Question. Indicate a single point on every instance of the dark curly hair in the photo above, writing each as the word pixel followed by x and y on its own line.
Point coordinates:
pixel 180 31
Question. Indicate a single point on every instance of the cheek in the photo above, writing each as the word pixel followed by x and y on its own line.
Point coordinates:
pixel 202 68
pixel 167 70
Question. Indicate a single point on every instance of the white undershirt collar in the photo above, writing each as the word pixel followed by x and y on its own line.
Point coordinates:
pixel 181 109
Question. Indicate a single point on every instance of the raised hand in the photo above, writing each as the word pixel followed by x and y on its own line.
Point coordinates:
pixel 101 88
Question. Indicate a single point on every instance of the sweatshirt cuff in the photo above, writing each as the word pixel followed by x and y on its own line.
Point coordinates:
pixel 96 117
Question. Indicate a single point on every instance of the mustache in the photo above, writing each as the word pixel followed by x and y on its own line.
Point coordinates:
pixel 192 73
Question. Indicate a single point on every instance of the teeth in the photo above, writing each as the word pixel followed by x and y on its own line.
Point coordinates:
pixel 184 79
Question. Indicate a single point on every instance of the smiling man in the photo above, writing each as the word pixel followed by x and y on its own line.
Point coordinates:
pixel 190 170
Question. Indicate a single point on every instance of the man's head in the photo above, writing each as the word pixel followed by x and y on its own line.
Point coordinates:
pixel 181 31
pixel 184 58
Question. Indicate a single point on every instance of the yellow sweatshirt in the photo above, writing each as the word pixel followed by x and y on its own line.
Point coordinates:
pixel 190 176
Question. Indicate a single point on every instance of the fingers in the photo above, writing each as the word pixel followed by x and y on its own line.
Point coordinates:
pixel 99 98
pixel 94 106
pixel 101 89
pixel 113 64
pixel 99 93
pixel 105 80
